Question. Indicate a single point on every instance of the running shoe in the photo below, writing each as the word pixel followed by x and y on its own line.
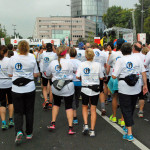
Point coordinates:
pixel 89 111
pixel 137 106
pixel 91 133
pixel 71 131
pixel 51 126
pixel 45 104
pixel 103 112
pixel 113 119
pixel 4 127
pixel 128 137
pixel 19 137
pixel 42 95
pixel 121 122
pixel 85 130
pixel 109 99
pixel 140 114
pixel 50 106
pixel 11 124
pixel 75 121
pixel 29 137
pixel 106 102
pixel 125 129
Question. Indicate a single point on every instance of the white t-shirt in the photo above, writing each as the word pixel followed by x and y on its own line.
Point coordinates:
pixel 5 80
pixel 125 66
pixel 142 58
pixel 76 63
pixel 47 58
pixel 100 57
pixel 67 56
pixel 23 66
pixel 81 55
pixel 15 53
pixel 147 64
pixel 65 73
pixel 90 73
pixel 112 60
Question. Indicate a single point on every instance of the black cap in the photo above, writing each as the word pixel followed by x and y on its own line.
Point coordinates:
pixel 49 46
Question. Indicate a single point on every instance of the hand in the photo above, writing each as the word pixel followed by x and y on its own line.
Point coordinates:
pixel 145 89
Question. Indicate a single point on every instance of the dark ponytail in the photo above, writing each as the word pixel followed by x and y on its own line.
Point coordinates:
pixel 3 51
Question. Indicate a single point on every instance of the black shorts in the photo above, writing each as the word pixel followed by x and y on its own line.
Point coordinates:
pixel 93 99
pixel 3 93
pixel 45 81
pixel 106 82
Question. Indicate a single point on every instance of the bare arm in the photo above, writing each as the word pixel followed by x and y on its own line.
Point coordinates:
pixel 145 89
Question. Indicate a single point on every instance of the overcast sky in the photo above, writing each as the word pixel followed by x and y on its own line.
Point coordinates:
pixel 24 12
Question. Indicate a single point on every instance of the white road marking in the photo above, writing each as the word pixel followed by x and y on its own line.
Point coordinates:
pixel 38 86
pixel 135 142
pixel 38 90
pixel 146 120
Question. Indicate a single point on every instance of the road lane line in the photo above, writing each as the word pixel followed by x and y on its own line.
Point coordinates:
pixel 135 142
pixel 38 90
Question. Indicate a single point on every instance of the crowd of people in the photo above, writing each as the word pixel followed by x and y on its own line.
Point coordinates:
pixel 91 73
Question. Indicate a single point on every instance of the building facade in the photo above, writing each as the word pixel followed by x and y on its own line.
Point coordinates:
pixel 90 9
pixel 60 28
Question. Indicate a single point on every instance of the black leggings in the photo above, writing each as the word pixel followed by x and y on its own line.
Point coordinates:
pixel 127 105
pixel 68 101
pixel 24 105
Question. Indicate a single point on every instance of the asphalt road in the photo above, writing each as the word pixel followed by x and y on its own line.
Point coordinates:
pixel 107 137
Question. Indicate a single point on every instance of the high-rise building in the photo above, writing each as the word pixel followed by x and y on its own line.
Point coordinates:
pixel 56 27
pixel 90 9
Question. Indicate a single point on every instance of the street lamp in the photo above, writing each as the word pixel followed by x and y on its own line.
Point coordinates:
pixel 71 23
pixel 142 12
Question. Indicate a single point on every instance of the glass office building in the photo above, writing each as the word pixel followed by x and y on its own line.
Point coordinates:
pixel 90 9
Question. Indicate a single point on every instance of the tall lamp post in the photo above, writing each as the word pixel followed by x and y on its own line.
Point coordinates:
pixel 71 22
pixel 142 12
pixel 14 29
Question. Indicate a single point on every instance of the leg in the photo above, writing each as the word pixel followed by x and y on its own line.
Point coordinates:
pixel 93 117
pixel 29 111
pixel 85 101
pixel 94 101
pixel 18 101
pixel 3 113
pixel 114 104
pixel 69 110
pixel 55 109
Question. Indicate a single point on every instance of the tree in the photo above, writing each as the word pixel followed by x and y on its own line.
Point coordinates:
pixel 91 37
pixel 119 17
pixel 3 34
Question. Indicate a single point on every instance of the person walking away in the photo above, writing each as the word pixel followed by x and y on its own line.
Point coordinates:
pixel 91 75
pixel 23 68
pixel 128 70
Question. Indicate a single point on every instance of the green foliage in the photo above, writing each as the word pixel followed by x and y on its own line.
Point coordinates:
pixel 3 34
pixel 119 17
pixel 91 36
pixel 147 23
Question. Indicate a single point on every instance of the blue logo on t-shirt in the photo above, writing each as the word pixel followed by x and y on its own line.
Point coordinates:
pixel 57 68
pixel 79 55
pixel 118 58
pixel 87 70
pixel 97 53
pixel 46 59
pixel 129 65
pixel 18 66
